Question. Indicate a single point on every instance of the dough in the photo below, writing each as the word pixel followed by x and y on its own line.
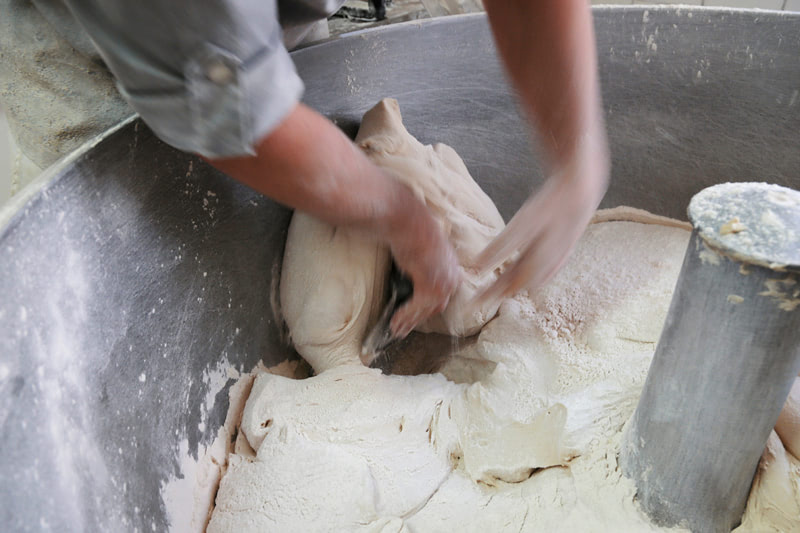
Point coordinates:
pixel 631 214
pixel 774 502
pixel 333 278
pixel 519 431
pixel 331 290
pixel 438 176
pixel 531 445
pixel 788 425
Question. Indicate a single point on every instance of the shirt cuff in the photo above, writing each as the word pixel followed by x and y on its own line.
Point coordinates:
pixel 227 103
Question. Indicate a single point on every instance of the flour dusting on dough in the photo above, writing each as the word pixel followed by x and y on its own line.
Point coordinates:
pixel 189 496
pixel 527 442
pixel 531 444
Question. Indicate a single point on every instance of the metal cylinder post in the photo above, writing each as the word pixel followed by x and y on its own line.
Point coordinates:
pixel 725 362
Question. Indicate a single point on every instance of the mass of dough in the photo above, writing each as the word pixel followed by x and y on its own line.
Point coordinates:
pixel 788 424
pixel 518 431
pixel 332 278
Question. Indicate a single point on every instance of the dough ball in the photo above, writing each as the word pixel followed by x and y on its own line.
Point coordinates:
pixel 332 288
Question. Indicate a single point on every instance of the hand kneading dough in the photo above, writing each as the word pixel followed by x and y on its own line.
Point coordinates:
pixel 332 278
pixel 331 289
pixel 438 177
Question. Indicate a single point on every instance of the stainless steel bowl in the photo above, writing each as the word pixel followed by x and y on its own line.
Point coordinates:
pixel 131 270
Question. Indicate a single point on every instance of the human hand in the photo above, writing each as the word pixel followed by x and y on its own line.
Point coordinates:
pixel 547 226
pixel 423 253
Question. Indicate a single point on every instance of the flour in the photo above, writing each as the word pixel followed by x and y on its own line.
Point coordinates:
pixel 189 496
pixel 354 450
pixel 518 431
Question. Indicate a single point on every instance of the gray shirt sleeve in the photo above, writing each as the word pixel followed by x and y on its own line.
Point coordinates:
pixel 211 77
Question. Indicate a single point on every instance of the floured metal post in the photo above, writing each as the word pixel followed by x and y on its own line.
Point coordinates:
pixel 726 360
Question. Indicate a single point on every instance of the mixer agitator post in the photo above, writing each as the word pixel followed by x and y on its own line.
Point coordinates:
pixel 726 360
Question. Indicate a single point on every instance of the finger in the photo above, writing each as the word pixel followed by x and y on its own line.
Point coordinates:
pixel 433 288
pixel 531 270
pixel 550 272
pixel 489 296
pixel 500 249
pixel 538 265
pixel 408 316
pixel 414 312
pixel 397 325
pixel 553 251
pixel 513 236
pixel 502 287
pixel 523 228
pixel 404 323
pixel 513 280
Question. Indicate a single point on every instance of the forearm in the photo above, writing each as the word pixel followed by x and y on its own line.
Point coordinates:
pixel 307 163
pixel 548 47
pixel 549 52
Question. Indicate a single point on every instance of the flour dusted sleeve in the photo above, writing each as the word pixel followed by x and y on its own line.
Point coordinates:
pixel 209 77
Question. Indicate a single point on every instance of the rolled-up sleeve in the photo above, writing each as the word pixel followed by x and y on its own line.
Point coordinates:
pixel 210 77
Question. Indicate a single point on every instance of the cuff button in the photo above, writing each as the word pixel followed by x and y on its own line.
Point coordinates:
pixel 219 72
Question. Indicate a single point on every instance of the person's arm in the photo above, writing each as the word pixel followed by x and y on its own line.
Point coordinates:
pixel 220 83
pixel 309 164
pixel 549 51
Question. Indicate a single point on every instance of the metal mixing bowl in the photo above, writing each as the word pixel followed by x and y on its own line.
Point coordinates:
pixel 131 270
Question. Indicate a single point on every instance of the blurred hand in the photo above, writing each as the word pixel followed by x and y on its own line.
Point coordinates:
pixel 548 47
pixel 309 164
pixel 544 231
pixel 423 253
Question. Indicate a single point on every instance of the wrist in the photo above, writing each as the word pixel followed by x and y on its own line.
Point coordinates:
pixel 406 222
pixel 394 211
pixel 588 164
